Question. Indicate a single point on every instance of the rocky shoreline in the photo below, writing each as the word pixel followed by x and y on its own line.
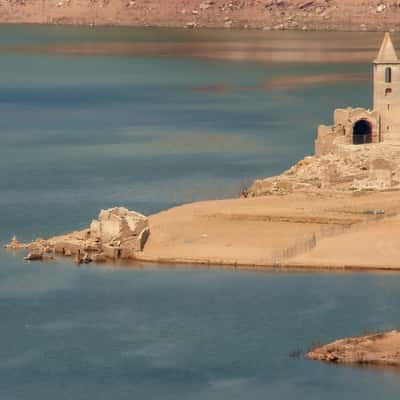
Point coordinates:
pixel 117 234
pixel 379 349
pixel 326 15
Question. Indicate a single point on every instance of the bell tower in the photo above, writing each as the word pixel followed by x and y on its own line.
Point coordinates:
pixel 387 90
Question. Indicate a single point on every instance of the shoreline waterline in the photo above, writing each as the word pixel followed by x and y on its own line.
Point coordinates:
pixel 299 231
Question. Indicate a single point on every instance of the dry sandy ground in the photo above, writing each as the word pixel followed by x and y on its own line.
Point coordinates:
pixel 375 349
pixel 299 230
pixel 329 230
pixel 269 14
pixel 375 244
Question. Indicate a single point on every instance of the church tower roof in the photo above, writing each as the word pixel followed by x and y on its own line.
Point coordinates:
pixel 387 53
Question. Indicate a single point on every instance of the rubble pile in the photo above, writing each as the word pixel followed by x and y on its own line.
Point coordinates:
pixel 117 234
pixel 353 168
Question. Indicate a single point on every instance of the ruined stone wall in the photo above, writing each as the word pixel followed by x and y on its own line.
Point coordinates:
pixel 325 141
pixel 341 132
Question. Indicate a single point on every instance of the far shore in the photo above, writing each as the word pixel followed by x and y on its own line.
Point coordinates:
pixel 335 15
pixel 210 27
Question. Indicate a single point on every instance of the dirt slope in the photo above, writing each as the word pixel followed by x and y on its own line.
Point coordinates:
pixel 268 14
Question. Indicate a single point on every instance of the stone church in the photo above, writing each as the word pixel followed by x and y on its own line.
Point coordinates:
pixel 359 126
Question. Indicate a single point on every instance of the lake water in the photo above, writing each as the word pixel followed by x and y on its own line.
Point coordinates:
pixel 148 119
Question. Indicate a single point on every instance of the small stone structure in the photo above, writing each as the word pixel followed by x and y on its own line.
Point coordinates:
pixel 358 126
pixel 117 234
pixel 121 232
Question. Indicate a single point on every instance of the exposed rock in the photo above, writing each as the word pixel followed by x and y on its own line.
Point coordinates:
pixel 343 14
pixel 378 349
pixel 190 25
pixel 15 244
pixel 118 233
pixel 99 258
pixel 381 8
pixel 86 259
pixel 34 256
pixel 351 168
pixel 205 5
pixel 38 245
pixel 306 5
pixel 118 224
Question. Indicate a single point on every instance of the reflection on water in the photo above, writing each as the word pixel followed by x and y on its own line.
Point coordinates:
pixel 287 82
pixel 299 82
pixel 217 89
pixel 270 52
pixel 246 46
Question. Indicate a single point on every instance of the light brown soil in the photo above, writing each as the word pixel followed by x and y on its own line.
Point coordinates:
pixel 297 230
pixel 269 14
pixel 382 349
pixel 328 230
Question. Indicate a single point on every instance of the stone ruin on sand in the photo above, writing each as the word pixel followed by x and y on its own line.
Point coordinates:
pixel 117 234
pixel 360 151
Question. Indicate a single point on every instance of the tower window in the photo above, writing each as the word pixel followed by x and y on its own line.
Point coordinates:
pixel 388 75
pixel 388 91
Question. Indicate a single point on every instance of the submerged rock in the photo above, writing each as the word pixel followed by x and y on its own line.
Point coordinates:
pixel 34 256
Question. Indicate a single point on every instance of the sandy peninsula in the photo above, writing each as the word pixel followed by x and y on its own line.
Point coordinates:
pixel 380 349
pixel 296 230
pixel 335 211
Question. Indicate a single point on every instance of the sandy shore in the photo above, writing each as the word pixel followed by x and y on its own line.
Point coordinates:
pixel 296 14
pixel 298 230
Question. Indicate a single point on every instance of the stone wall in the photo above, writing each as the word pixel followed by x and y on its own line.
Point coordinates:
pixel 387 100
pixel 341 132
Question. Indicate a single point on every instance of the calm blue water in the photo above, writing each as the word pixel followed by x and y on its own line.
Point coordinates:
pixel 91 118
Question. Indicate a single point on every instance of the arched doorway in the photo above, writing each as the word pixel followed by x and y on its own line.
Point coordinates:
pixel 362 132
